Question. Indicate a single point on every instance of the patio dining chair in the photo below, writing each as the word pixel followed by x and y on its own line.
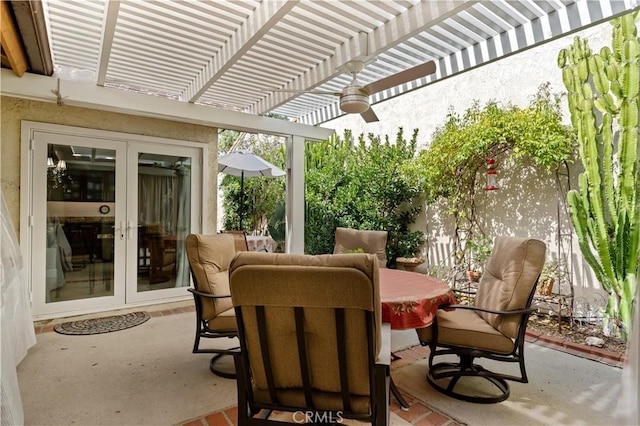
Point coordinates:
pixel 312 342
pixel 374 242
pixel 209 259
pixel 493 327
pixel 239 239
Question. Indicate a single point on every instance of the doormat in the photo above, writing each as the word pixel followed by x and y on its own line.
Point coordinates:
pixel 102 325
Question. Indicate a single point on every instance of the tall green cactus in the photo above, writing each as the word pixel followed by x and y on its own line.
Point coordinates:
pixel 604 104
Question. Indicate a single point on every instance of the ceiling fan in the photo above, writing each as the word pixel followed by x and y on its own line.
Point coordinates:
pixel 354 98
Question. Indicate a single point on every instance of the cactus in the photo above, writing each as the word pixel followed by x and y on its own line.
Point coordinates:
pixel 605 211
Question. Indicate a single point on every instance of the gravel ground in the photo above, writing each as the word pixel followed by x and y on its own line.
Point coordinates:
pixel 576 334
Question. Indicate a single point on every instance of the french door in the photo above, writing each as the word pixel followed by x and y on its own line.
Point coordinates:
pixel 109 217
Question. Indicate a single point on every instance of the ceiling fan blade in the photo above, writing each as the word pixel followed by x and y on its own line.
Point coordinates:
pixel 369 116
pixel 402 77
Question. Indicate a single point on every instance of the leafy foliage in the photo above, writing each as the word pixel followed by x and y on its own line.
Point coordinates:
pixel 277 225
pixel 461 146
pixel 453 165
pixel 480 248
pixel 363 184
pixel 261 195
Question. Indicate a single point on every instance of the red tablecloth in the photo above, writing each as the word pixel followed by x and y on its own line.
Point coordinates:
pixel 409 299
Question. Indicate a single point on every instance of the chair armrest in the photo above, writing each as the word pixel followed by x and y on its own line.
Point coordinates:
pixel 208 295
pixel 489 311
pixel 384 358
pixel 457 290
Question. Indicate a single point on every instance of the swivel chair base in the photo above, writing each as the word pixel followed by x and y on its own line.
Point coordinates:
pixel 438 374
pixel 229 373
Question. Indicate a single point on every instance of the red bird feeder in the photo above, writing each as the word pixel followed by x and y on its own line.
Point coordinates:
pixel 492 177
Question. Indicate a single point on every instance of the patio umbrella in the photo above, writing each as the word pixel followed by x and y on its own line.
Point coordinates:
pixel 246 164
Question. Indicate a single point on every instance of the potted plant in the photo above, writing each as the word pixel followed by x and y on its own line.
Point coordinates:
pixel 552 271
pixel 409 263
pixel 479 250
pixel 408 252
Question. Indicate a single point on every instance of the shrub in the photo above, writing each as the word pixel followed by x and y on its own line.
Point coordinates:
pixel 363 184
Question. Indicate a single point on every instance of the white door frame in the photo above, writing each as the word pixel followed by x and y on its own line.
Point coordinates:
pixel 133 296
pixel 28 216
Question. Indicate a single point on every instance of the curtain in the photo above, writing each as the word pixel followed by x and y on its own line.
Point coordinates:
pixel 18 334
pixel 165 208
pixel 183 222
pixel 156 201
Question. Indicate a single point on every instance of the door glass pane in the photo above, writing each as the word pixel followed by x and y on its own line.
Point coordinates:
pixel 164 220
pixel 80 219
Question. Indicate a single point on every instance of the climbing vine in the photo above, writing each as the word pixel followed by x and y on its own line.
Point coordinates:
pixel 452 165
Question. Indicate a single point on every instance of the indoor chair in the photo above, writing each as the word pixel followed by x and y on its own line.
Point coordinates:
pixel 162 259
pixel 312 343
pixel 374 242
pixel 209 258
pixel 493 327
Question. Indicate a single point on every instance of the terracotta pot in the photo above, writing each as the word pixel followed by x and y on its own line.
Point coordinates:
pixel 473 276
pixel 409 263
pixel 546 286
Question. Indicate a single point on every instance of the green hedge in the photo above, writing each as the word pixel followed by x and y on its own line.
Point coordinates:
pixel 366 183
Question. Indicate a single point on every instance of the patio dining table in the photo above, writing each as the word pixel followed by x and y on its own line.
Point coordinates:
pixel 261 243
pixel 410 300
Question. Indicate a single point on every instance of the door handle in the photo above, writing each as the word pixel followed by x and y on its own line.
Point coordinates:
pixel 130 227
pixel 119 230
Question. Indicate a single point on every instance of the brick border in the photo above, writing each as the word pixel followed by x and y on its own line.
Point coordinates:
pixel 584 351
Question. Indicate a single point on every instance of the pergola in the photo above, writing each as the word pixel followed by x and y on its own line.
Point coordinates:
pixel 223 63
pixel 231 55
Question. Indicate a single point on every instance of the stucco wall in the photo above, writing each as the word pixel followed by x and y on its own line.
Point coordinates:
pixel 15 110
pixel 526 204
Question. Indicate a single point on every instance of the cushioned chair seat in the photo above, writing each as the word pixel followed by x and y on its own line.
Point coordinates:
pixel 225 321
pixel 493 327
pixel 467 329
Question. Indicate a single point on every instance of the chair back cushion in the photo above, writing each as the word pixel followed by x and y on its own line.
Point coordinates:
pixel 209 259
pixel 318 284
pixel 508 280
pixel 240 240
pixel 374 242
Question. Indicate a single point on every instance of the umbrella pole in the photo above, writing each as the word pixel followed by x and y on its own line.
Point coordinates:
pixel 241 212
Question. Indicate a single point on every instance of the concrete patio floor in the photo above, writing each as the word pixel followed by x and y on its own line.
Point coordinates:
pixel 147 375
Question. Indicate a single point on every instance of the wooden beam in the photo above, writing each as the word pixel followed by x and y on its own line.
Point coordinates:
pixel 11 41
pixel 30 20
pixel 5 60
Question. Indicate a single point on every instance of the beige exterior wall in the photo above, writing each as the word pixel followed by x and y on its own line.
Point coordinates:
pixel 14 110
